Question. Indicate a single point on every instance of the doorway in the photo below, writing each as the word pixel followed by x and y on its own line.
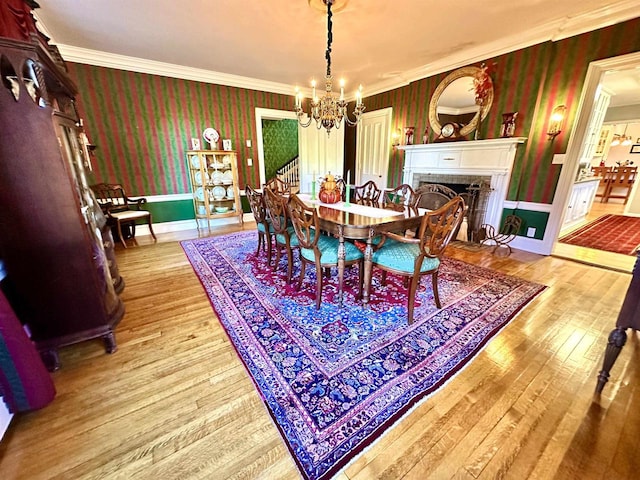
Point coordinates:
pixel 595 80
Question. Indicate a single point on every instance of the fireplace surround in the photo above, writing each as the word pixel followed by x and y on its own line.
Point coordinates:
pixel 465 163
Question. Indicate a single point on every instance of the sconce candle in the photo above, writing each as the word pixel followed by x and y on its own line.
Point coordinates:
pixel 556 122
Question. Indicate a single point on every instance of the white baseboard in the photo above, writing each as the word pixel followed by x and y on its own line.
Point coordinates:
pixel 180 225
pixel 532 245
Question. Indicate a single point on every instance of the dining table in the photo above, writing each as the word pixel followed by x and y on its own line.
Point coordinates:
pixel 349 221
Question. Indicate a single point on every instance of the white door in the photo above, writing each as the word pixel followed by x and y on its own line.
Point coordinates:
pixel 319 153
pixel 372 147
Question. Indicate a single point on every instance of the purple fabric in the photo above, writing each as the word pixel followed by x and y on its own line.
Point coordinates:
pixel 25 383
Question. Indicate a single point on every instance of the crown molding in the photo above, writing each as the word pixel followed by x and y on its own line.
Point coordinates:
pixel 551 31
pixel 141 65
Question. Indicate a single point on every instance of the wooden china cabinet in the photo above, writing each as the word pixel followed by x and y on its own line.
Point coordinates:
pixel 51 240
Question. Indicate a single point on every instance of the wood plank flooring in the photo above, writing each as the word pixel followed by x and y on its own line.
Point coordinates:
pixel 175 402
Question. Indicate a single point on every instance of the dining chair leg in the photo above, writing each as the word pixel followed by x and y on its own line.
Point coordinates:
pixel 269 246
pixel 277 262
pixel 119 225
pixel 151 228
pixel 434 282
pixel 260 243
pixel 303 267
pixel 413 286
pixel 289 264
pixel 383 278
pixel 360 279
pixel 319 283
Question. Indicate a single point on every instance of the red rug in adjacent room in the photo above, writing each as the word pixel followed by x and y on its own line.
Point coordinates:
pixel 611 233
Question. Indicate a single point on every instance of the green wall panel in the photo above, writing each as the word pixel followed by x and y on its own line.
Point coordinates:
pixel 171 211
pixel 537 220
pixel 280 139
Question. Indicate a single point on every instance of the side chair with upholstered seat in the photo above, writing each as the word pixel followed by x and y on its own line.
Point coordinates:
pixel 265 229
pixel 319 249
pixel 367 194
pixel 284 233
pixel 121 210
pixel 416 257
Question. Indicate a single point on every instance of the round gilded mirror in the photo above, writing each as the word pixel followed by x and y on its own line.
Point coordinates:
pixel 454 100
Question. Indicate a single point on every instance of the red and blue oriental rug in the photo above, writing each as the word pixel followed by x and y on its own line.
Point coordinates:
pixel 334 380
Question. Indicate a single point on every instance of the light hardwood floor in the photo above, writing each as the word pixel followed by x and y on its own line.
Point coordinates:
pixel 175 402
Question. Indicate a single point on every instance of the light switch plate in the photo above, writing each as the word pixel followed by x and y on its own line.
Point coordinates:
pixel 250 162
pixel 248 143
pixel 558 158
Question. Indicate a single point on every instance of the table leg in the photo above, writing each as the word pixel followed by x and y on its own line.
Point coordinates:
pixel 617 339
pixel 341 257
pixel 368 267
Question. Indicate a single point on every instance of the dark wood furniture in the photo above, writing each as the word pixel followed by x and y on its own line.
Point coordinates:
pixel 50 240
pixel 629 317
pixel 116 205
pixel 605 177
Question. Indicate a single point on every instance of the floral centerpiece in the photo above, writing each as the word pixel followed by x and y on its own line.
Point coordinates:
pixel 329 191
pixel 482 87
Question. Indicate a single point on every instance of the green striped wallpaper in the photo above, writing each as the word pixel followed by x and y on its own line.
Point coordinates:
pixel 143 123
pixel 531 81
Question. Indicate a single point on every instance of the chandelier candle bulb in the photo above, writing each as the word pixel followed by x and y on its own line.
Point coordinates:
pixel 330 111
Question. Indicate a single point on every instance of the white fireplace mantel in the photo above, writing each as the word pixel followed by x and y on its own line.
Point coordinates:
pixel 482 158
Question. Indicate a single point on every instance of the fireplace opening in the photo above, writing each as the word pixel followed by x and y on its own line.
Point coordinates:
pixel 474 190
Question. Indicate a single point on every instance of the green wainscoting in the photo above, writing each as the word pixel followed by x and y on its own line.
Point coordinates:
pixel 171 211
pixel 537 220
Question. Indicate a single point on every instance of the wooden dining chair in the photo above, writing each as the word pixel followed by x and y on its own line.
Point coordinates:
pixel 122 210
pixel 284 233
pixel 621 183
pixel 278 186
pixel 415 257
pixel 400 198
pixel 605 178
pixel 265 229
pixel 319 249
pixel 367 194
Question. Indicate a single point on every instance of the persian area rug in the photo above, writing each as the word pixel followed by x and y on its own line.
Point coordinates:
pixel 335 379
pixel 612 233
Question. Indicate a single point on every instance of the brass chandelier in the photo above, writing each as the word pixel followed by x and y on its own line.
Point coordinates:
pixel 330 110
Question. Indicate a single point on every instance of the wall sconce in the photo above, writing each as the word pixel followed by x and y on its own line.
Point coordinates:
pixel 395 138
pixel 556 122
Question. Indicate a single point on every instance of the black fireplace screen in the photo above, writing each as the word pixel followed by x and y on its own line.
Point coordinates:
pixel 475 194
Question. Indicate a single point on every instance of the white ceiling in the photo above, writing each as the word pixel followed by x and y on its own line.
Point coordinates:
pixel 379 44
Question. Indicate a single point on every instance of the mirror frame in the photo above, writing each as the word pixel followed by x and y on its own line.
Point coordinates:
pixel 433 104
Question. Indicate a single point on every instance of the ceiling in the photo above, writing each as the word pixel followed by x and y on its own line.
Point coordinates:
pixel 281 43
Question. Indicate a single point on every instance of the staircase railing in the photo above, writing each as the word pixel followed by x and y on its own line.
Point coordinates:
pixel 290 172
